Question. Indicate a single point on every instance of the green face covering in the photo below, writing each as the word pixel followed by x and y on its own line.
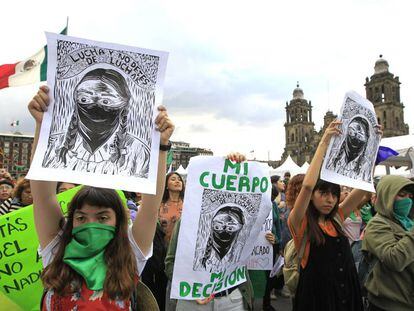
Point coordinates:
pixel 85 253
pixel 401 210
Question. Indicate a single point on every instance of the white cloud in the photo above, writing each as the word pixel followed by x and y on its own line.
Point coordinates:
pixel 232 64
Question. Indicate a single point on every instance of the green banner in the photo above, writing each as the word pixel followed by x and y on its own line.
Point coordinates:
pixel 20 264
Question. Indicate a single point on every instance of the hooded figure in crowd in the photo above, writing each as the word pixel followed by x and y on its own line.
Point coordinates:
pixel 389 238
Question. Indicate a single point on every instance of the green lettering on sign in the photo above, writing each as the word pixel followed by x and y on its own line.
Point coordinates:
pixel 222 182
pixel 232 278
pixel 241 273
pixel 234 166
pixel 264 184
pixel 230 182
pixel 255 183
pixel 244 184
pixel 214 276
pixel 202 182
pixel 196 288
pixel 208 286
pixel 185 289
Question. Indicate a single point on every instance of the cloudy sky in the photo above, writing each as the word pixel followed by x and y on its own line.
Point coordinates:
pixel 232 64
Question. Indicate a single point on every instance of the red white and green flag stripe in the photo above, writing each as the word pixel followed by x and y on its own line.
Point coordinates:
pixel 29 71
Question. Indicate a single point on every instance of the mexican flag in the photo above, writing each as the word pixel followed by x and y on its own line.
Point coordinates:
pixel 29 71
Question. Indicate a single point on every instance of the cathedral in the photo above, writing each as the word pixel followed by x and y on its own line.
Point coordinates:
pixel 382 89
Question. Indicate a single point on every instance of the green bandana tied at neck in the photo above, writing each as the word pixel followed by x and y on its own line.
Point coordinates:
pixel 85 253
pixel 401 210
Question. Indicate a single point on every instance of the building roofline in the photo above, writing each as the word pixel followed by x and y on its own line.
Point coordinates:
pixel 17 135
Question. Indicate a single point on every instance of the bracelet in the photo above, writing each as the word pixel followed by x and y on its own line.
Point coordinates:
pixel 166 147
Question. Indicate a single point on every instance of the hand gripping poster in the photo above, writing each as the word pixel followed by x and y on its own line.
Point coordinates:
pixel 99 127
pixel 350 157
pixel 225 206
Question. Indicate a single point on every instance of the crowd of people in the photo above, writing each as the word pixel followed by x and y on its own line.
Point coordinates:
pixel 358 247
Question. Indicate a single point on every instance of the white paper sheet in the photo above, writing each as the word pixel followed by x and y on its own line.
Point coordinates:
pixel 350 157
pixel 280 261
pixel 261 257
pixel 224 208
pixel 99 128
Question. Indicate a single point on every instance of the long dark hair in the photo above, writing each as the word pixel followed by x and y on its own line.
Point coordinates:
pixel 314 231
pixel 121 264
pixel 166 194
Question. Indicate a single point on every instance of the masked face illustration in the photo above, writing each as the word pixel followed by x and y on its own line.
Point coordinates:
pixel 99 106
pixel 357 138
pixel 357 135
pixel 226 225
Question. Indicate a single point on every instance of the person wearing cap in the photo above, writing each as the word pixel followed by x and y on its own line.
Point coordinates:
pixel 389 239
pixel 6 188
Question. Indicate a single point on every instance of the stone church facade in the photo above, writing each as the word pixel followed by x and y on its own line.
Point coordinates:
pixel 382 89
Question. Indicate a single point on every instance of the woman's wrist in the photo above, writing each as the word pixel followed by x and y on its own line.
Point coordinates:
pixel 165 145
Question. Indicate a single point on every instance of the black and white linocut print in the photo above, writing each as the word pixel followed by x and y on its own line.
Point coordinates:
pixel 226 220
pixel 353 152
pixel 103 111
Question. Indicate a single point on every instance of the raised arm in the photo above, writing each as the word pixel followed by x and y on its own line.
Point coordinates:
pixel 143 228
pixel 47 212
pixel 355 200
pixel 311 177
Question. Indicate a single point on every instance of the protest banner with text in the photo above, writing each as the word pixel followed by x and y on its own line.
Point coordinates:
pixel 225 206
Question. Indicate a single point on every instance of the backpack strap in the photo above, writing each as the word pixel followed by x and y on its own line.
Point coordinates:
pixel 43 298
pixel 133 299
pixel 302 249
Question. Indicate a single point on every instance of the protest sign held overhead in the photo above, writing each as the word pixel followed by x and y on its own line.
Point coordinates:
pixel 225 206
pixel 350 157
pixel 99 128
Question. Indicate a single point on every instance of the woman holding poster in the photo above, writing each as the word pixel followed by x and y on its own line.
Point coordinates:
pixel 92 259
pixel 328 278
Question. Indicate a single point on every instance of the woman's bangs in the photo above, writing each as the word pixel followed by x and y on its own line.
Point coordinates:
pixel 328 187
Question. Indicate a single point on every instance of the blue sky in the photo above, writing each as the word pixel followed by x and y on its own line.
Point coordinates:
pixel 232 64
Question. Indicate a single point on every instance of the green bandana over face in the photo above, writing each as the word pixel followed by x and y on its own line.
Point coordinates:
pixel 401 210
pixel 85 253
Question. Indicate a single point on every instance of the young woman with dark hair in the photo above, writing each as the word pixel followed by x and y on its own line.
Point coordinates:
pixel 169 213
pixel 328 279
pixel 172 203
pixel 92 259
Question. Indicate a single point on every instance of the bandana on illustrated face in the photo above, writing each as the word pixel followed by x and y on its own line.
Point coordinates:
pixel 85 253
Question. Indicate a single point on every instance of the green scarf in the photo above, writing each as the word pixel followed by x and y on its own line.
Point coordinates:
pixel 401 210
pixel 85 253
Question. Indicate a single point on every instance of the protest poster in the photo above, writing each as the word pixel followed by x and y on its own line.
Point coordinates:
pixel 225 206
pixel 99 129
pixel 350 157
pixel 20 264
pixel 261 257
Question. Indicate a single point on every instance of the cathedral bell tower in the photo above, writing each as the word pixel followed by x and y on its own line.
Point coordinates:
pixel 383 90
pixel 299 129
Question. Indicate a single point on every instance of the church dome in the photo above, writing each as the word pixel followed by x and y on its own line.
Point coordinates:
pixel 381 65
pixel 298 92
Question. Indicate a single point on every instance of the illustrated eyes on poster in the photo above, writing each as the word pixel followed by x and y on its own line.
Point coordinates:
pixel 227 227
